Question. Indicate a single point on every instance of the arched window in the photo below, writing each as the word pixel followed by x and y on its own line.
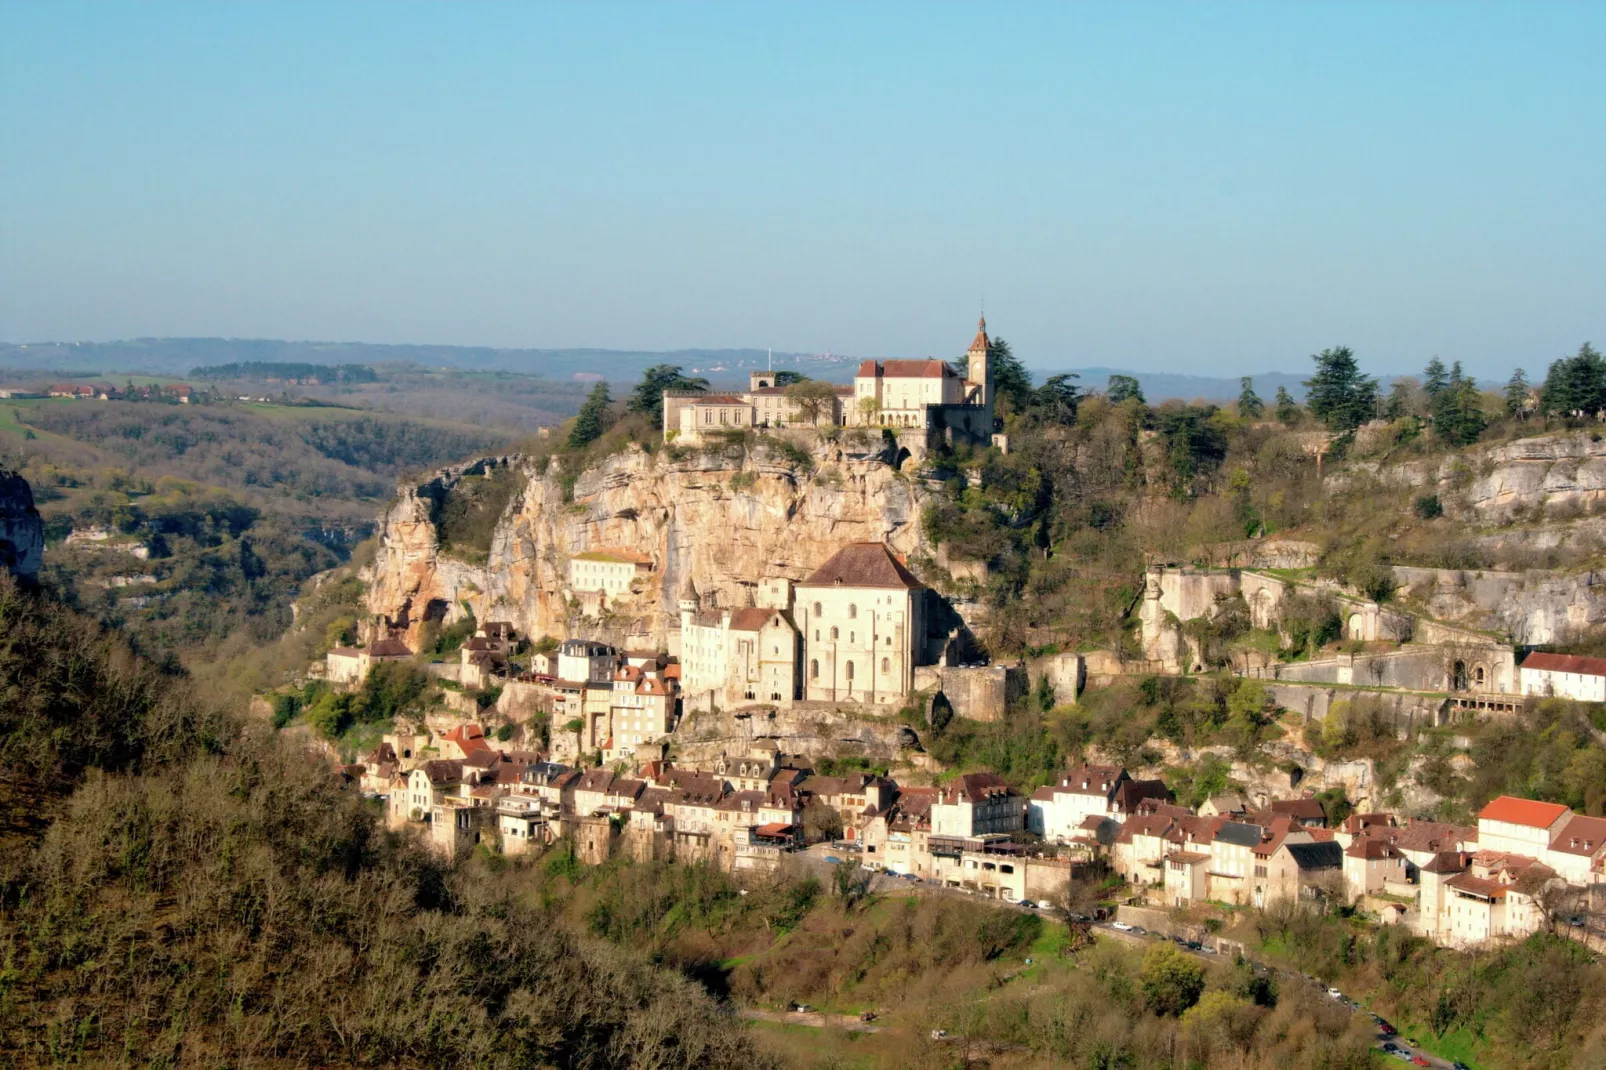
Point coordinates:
pixel 833 633
pixel 816 609
pixel 886 664
pixel 850 672
pixel 853 611
pixel 814 669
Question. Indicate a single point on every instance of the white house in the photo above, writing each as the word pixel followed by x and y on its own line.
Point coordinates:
pixel 1564 676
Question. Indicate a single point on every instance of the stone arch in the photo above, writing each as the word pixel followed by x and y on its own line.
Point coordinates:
pixel 1458 675
pixel 1262 609
pixel 1356 626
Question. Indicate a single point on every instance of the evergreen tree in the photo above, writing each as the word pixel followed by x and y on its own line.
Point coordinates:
pixel 1434 379
pixel 1517 395
pixel 788 377
pixel 1123 388
pixel 1397 405
pixel 594 419
pixel 1575 387
pixel 1338 394
pixel 648 396
pixel 1249 404
pixel 1057 399
pixel 1287 407
pixel 1012 383
pixel 1457 409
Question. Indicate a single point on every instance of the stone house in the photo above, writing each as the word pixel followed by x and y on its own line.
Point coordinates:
pixel 862 616
pixel 977 804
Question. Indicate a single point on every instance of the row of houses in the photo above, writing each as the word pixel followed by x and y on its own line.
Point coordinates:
pixel 106 392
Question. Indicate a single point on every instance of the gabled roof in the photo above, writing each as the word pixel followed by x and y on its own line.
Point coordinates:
pixel 751 619
pixel 1239 834
pixel 1480 887
pixel 907 369
pixel 1529 812
pixel 1303 809
pixel 863 564
pixel 1371 849
pixel 973 787
pixel 1132 792
pixel 1584 836
pixel 443 770
pixel 389 648
pixel 1316 855
pixel 1572 663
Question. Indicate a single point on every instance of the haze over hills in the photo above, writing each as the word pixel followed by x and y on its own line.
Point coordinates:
pixel 181 356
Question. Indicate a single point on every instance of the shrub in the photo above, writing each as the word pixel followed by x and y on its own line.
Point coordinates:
pixel 1428 507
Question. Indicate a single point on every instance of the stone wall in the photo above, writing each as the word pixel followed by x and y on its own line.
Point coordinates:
pixel 980 694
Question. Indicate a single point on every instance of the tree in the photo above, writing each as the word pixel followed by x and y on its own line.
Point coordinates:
pixel 788 378
pixel 1398 404
pixel 1575 387
pixel 1249 404
pixel 648 396
pixel 1517 391
pixel 1056 401
pixel 1123 388
pixel 813 400
pixel 1172 980
pixel 1338 394
pixel 870 409
pixel 1434 378
pixel 1457 409
pixel 1287 407
pixel 1012 384
pixel 595 417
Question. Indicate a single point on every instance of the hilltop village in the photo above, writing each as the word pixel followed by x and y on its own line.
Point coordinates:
pixel 852 639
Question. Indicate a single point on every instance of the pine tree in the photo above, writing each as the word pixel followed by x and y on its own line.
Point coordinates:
pixel 1249 404
pixel 1434 379
pixel 1338 394
pixel 594 418
pixel 1457 409
pixel 1012 383
pixel 648 396
pixel 1575 387
pixel 1287 408
pixel 1517 395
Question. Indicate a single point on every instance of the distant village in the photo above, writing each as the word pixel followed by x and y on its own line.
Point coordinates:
pixel 854 634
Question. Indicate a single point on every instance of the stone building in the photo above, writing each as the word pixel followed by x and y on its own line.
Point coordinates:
pixel 731 657
pixel 930 396
pixel 862 615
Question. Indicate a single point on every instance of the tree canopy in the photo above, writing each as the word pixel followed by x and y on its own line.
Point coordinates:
pixel 1338 394
pixel 1575 386
pixel 1249 404
pixel 1123 388
pixel 648 396
pixel 1012 383
pixel 595 417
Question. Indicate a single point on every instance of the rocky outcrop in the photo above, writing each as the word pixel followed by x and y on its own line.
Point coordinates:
pixel 1563 472
pixel 22 536
pixel 1533 608
pixel 724 518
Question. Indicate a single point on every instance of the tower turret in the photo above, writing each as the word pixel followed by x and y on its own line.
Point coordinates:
pixel 977 373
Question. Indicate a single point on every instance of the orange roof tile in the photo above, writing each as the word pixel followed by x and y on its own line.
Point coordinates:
pixel 1515 811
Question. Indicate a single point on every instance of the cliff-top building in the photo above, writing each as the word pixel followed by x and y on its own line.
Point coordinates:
pixel 930 396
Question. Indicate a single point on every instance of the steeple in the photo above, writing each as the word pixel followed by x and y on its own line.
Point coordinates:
pixel 979 344
pixel 690 600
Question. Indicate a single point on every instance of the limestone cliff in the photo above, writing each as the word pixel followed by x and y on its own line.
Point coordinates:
pixel 22 536
pixel 1500 483
pixel 724 518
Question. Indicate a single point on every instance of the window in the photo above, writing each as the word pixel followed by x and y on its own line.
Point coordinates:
pixel 816 609
pixel 850 672
pixel 833 633
pixel 814 669
pixel 886 664
pixel 853 611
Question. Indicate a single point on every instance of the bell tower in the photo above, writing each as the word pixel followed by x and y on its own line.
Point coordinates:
pixel 976 369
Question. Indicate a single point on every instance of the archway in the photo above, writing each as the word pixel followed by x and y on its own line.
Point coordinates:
pixel 1458 676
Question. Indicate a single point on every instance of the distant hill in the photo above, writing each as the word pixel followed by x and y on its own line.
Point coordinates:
pixel 178 356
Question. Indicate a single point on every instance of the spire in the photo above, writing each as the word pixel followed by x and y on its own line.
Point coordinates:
pixel 979 344
pixel 690 600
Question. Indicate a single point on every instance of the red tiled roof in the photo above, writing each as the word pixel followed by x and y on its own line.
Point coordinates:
pixel 980 341
pixel 908 369
pixel 862 564
pixel 750 619
pixel 1573 663
pixel 389 648
pixel 1530 812
pixel 1304 809
pixel 773 829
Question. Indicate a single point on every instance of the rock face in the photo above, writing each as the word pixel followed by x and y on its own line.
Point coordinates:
pixel 1559 472
pixel 1534 607
pixel 724 518
pixel 22 536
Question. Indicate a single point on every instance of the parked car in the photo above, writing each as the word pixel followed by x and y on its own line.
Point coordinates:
pixel 1333 993
pixel 939 1034
pixel 800 1008
pixel 1418 1060
pixel 1194 945
pixel 1121 925
pixel 1391 1048
pixel 833 859
pixel 1028 904
pixel 1402 1055
pixel 1386 1029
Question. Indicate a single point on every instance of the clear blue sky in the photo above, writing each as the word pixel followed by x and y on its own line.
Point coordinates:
pixel 1200 188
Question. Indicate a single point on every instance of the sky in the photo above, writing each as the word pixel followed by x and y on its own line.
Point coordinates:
pixel 1211 189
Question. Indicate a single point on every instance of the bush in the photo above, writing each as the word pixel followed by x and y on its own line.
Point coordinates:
pixel 1428 507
